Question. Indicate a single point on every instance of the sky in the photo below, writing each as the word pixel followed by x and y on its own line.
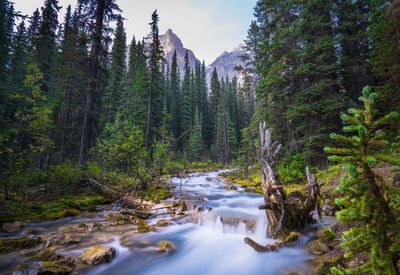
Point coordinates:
pixel 208 27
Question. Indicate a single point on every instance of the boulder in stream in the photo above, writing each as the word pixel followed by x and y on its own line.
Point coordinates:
pixel 98 254
pixel 167 246
pixel 14 244
pixel 144 227
pixel 163 223
pixel 13 227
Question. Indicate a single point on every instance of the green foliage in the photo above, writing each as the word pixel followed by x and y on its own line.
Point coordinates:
pixel 121 147
pixel 292 170
pixel 365 200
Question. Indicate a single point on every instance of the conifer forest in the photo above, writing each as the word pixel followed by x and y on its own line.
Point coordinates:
pixel 122 154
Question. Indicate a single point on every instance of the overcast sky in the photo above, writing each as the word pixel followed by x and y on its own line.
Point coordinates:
pixel 208 27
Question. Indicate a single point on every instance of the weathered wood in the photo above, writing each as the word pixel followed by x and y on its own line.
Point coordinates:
pixel 284 213
pixel 273 191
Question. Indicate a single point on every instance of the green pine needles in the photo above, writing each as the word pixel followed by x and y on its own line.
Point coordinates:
pixel 369 203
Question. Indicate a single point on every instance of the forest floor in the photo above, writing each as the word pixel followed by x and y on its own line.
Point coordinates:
pixel 66 199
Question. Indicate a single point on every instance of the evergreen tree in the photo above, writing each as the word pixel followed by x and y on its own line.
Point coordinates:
pixel 204 109
pixel 365 200
pixel 155 94
pixel 175 91
pixel 195 143
pixel 186 123
pixel 33 29
pixel 215 97
pixel 45 44
pixel 101 11
pixel 112 99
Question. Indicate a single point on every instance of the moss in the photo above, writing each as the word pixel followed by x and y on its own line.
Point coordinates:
pixel 167 246
pixel 144 227
pixel 55 268
pixel 163 223
pixel 12 244
pixel 48 210
pixel 155 193
pixel 45 267
pixel 47 254
pixel 291 238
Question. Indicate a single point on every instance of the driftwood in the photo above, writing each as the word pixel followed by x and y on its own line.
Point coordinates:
pixel 119 197
pixel 288 241
pixel 284 212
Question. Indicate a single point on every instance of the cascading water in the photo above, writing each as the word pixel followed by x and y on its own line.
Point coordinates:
pixel 211 241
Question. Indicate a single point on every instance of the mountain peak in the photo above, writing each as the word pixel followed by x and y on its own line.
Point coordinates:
pixel 171 42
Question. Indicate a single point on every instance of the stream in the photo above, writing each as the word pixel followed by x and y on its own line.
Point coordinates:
pixel 209 241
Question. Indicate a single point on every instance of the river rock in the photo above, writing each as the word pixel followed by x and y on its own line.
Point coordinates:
pixel 29 232
pixel 36 268
pixel 83 227
pixel 98 254
pixel 51 255
pixel 143 227
pixel 71 239
pixel 167 246
pixel 164 223
pixel 317 247
pixel 12 227
pixel 230 187
pixel 14 244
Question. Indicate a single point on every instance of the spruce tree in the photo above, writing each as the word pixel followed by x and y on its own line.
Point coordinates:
pixel 186 101
pixel 113 94
pixel 45 44
pixel 155 94
pixel 176 98
pixel 366 201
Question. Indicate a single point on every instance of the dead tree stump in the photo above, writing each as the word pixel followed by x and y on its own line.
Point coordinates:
pixel 285 213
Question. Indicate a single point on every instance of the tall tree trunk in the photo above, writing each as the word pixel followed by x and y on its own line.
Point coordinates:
pixel 93 81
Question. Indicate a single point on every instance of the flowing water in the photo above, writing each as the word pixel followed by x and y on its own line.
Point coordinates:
pixel 209 241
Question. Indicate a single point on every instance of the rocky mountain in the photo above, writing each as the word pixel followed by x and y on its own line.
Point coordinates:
pixel 170 42
pixel 226 63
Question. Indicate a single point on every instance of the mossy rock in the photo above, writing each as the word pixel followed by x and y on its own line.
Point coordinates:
pixel 317 247
pixel 41 268
pixel 290 239
pixel 167 246
pixel 98 254
pixel 14 244
pixel 50 255
pixel 163 223
pixel 108 216
pixel 144 227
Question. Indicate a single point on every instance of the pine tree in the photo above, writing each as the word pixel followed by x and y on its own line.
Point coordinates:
pixel 215 97
pixel 112 99
pixel 175 91
pixel 195 143
pixel 103 10
pixel 45 44
pixel 204 109
pixel 366 201
pixel 155 94
pixel 19 58
pixel 186 101
pixel 33 29
pixel 353 23
pixel 317 100
pixel 139 88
